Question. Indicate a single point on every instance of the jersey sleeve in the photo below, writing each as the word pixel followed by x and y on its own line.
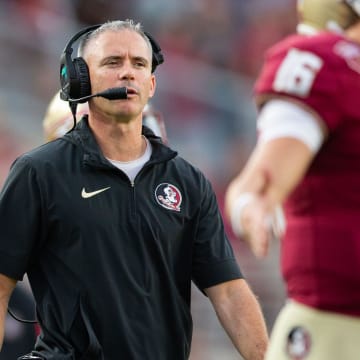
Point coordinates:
pixel 305 73
pixel 213 258
pixel 20 217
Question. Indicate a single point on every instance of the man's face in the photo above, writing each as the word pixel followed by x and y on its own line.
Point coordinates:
pixel 117 59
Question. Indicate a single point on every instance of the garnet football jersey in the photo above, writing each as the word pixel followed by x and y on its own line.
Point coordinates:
pixel 321 246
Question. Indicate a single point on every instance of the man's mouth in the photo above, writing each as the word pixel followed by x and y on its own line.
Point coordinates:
pixel 131 91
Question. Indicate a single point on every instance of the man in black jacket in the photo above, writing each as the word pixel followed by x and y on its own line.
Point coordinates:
pixel 111 225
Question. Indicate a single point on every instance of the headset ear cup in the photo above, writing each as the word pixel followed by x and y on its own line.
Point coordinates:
pixel 83 79
pixel 158 57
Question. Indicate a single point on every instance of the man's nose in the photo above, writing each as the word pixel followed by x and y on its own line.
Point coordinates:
pixel 127 70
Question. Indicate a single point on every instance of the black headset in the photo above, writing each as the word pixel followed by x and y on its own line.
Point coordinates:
pixel 74 73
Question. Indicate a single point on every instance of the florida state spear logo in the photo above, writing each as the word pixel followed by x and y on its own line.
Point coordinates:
pixel 299 343
pixel 168 196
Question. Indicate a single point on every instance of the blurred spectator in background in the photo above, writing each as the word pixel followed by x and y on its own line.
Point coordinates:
pixel 58 119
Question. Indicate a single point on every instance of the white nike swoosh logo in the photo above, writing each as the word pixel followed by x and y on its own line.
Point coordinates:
pixel 87 195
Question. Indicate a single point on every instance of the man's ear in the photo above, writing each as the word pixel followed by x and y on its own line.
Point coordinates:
pixel 153 86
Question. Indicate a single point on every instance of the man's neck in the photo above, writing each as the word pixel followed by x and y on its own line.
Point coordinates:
pixel 119 141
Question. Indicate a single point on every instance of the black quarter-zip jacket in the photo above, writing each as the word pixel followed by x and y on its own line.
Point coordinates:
pixel 110 262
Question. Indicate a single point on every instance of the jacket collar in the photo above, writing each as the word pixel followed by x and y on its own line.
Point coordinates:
pixel 83 137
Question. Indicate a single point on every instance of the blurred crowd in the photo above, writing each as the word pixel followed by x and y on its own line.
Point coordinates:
pixel 213 50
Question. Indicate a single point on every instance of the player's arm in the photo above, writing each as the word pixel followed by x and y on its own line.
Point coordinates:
pixel 7 286
pixel 240 315
pixel 290 137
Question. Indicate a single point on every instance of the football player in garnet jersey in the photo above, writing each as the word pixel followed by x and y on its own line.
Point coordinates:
pixel 58 119
pixel 307 163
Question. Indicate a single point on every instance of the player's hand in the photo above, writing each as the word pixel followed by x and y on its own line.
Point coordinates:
pixel 257 222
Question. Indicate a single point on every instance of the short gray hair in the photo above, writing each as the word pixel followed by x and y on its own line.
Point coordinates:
pixel 114 25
